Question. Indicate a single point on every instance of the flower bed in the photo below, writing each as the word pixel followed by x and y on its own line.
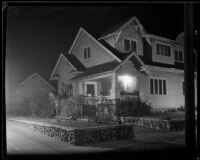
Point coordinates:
pixel 78 136
pixel 158 124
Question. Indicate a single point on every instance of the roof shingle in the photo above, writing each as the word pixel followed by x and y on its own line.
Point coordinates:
pixel 105 67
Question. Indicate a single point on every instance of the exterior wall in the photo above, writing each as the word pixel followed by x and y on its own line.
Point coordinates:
pixel 98 54
pixel 174 97
pixel 130 32
pixel 160 58
pixel 32 87
pixel 64 71
pixel 129 69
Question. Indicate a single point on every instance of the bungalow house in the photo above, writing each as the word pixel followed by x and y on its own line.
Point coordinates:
pixel 34 84
pixel 124 61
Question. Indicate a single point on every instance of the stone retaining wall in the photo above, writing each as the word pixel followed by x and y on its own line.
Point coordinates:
pixel 158 124
pixel 78 136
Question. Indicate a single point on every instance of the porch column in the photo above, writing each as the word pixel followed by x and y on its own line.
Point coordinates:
pixel 114 89
pixel 74 88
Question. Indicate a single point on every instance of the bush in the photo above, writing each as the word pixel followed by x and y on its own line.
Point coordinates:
pixel 132 107
pixel 71 106
pixel 181 108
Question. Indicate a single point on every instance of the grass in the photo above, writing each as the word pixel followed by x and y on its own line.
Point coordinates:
pixel 165 115
pixel 62 122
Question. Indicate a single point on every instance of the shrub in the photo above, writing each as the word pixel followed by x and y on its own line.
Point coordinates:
pixel 181 108
pixel 71 106
pixel 132 107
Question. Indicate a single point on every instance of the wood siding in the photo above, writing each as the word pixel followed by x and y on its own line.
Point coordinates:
pixel 98 54
pixel 130 32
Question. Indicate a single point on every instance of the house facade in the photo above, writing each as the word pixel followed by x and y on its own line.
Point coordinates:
pixel 125 61
pixel 33 85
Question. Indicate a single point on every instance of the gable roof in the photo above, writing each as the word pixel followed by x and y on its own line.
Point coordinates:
pixel 35 75
pixel 117 53
pixel 121 25
pixel 89 35
pixel 102 68
pixel 72 60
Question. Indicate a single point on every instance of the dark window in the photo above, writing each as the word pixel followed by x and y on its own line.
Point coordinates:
pixel 130 45
pixel 90 89
pixel 176 55
pixel 164 87
pixel 156 86
pixel 87 53
pixel 163 50
pixel 151 86
pixel 126 45
pixel 180 56
pixel 160 87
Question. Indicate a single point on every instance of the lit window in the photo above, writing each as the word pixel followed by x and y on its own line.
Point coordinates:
pixel 129 45
pixel 178 56
pixel 157 86
pixel 86 52
pixel 128 83
pixel 163 50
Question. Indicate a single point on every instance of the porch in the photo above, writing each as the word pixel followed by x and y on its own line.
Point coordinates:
pixel 108 86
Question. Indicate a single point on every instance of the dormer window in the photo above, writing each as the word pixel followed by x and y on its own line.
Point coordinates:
pixel 178 56
pixel 87 53
pixel 163 50
pixel 130 45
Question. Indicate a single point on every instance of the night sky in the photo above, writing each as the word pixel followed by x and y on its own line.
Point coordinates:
pixel 36 35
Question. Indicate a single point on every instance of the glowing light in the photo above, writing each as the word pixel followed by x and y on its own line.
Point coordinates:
pixel 129 82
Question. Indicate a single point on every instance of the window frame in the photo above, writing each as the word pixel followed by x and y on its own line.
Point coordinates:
pixel 85 56
pixel 130 39
pixel 153 93
pixel 164 44
pixel 178 51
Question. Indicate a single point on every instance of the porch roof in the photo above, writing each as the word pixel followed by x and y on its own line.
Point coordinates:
pixel 105 67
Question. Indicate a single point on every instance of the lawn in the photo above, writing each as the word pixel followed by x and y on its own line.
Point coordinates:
pixel 61 121
pixel 165 115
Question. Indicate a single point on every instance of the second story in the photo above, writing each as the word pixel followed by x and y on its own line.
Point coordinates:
pixel 131 36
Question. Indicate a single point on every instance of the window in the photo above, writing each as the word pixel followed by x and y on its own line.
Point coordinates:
pixel 129 45
pixel 163 50
pixel 178 56
pixel 157 86
pixel 87 53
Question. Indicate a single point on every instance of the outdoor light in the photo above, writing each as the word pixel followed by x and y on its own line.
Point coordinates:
pixel 128 81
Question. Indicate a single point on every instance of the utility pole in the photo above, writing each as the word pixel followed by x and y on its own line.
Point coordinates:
pixel 190 136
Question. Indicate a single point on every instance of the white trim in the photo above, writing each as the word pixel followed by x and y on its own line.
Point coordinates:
pixel 61 56
pixel 137 21
pixel 165 44
pixel 130 39
pixel 110 34
pixel 94 76
pixel 87 46
pixel 89 35
pixel 158 78
pixel 159 38
pixel 40 77
pixel 125 24
pixel 163 69
pixel 178 55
